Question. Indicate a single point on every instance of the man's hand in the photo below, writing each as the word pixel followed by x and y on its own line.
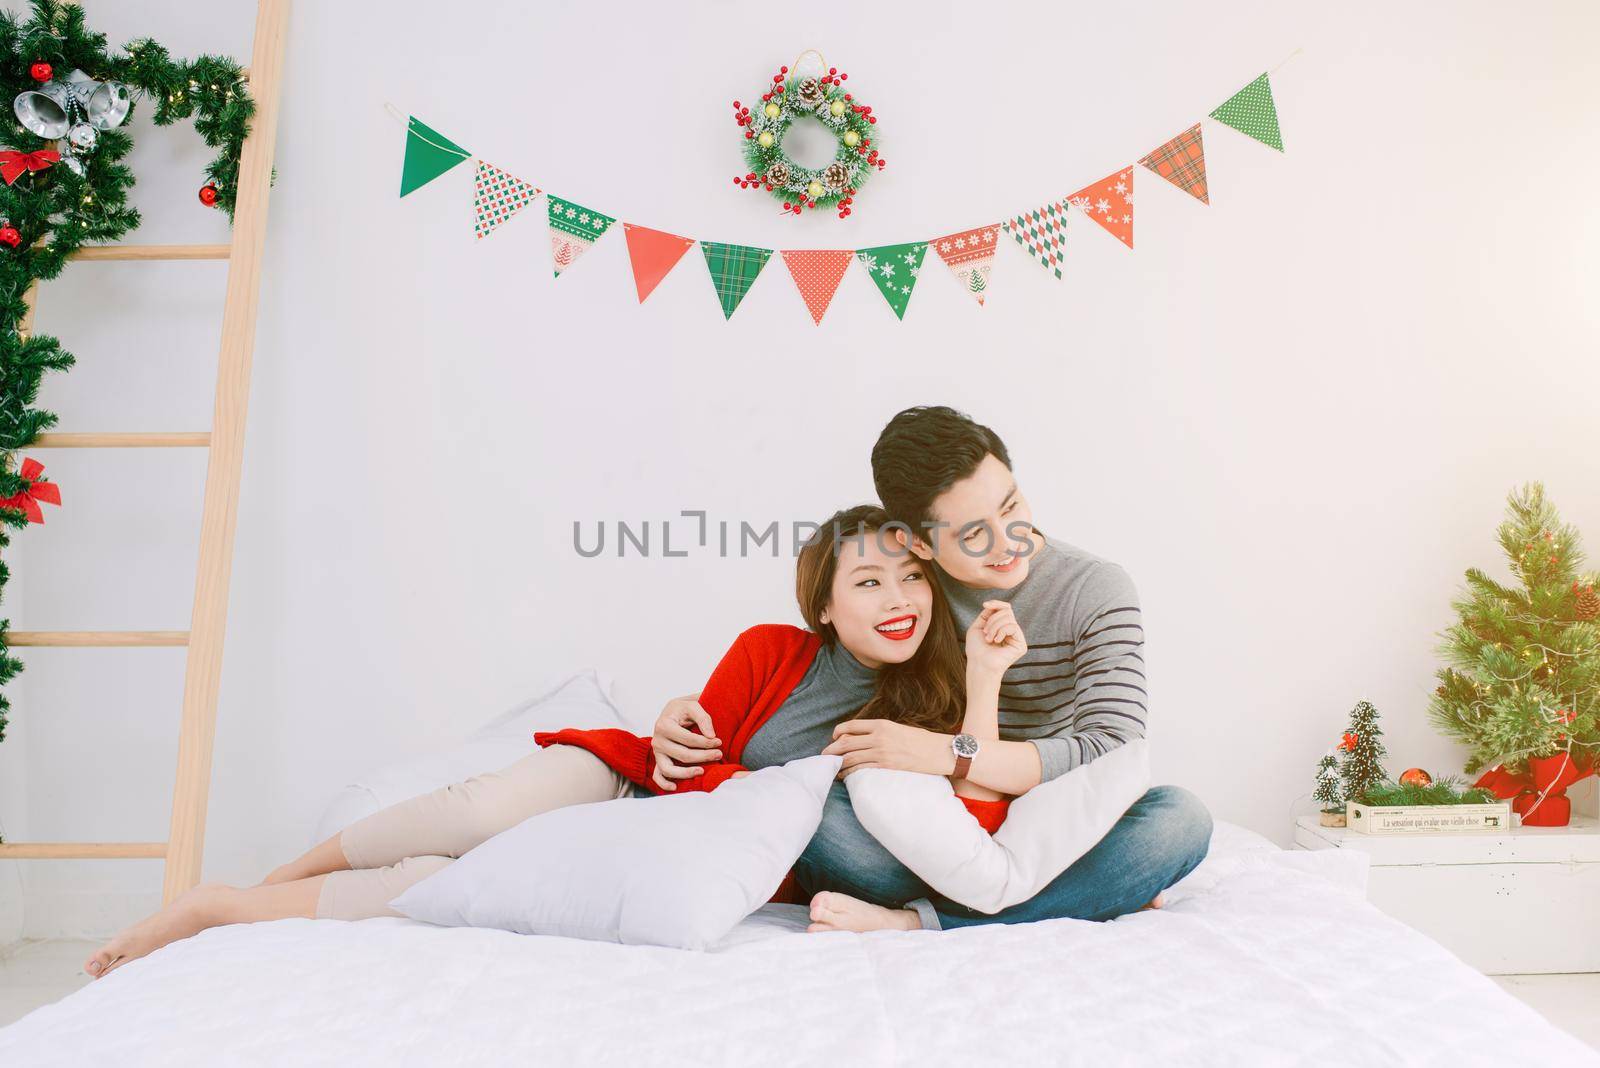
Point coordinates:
pixel 883 743
pixel 677 747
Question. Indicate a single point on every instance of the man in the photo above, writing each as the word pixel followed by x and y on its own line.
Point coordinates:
pixel 1076 694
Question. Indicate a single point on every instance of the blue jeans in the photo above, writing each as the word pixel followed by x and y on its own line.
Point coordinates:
pixel 1156 842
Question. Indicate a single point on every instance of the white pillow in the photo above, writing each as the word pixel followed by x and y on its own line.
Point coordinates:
pixel 679 870
pixel 583 700
pixel 920 820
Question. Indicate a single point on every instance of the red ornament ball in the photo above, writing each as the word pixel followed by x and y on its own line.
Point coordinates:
pixel 9 236
pixel 1415 777
pixel 41 72
pixel 208 195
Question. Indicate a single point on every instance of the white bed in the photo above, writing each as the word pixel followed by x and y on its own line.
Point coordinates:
pixel 1263 956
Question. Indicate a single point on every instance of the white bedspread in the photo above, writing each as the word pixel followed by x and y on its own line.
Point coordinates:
pixel 1262 957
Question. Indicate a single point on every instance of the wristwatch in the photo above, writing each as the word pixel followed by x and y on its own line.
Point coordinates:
pixel 965 747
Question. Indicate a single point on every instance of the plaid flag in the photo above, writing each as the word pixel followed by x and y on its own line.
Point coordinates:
pixel 733 270
pixel 1182 161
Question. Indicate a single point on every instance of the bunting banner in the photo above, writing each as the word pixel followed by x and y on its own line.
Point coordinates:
pixel 1043 232
pixel 653 254
pixel 733 271
pixel 1182 161
pixel 497 196
pixel 573 229
pixel 970 254
pixel 1251 111
pixel 817 274
pixel 1109 202
pixel 894 269
pixel 428 155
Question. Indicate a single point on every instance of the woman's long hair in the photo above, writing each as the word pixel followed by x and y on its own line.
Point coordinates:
pixel 930 689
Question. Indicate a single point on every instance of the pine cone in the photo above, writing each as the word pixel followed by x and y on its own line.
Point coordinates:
pixel 809 91
pixel 778 174
pixel 836 176
pixel 1588 604
pixel 1441 691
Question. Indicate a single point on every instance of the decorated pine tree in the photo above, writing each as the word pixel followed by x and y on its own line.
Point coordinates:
pixel 1362 765
pixel 1329 794
pixel 1524 659
pixel 975 283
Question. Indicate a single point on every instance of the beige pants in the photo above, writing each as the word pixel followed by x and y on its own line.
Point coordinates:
pixel 405 843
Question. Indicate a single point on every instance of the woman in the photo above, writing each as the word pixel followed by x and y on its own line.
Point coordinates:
pixel 881 643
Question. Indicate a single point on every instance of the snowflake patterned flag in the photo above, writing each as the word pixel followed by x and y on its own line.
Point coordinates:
pixel 970 254
pixel 1182 161
pixel 496 196
pixel 653 253
pixel 1251 111
pixel 733 270
pixel 428 155
pixel 894 270
pixel 1043 232
pixel 1109 202
pixel 573 228
pixel 817 274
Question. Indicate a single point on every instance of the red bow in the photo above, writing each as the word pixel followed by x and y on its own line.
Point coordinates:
pixel 39 490
pixel 1351 738
pixel 14 163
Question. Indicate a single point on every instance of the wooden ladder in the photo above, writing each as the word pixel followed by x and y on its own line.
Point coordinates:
pixel 203 667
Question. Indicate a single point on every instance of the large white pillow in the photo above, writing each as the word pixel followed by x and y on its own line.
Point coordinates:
pixel 583 700
pixel 920 820
pixel 677 870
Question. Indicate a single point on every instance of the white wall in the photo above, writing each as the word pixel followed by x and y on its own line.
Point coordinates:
pixel 1292 415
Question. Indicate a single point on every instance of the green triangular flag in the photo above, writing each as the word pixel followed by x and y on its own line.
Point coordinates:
pixel 573 228
pixel 1250 111
pixel 895 269
pixel 733 271
pixel 428 155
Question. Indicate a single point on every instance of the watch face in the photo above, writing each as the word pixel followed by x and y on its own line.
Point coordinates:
pixel 965 745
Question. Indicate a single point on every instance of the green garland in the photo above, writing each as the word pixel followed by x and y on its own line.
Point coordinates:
pixel 56 212
pixel 824 99
pixel 1446 791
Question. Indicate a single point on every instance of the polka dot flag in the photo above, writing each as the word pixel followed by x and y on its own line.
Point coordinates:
pixel 1251 111
pixel 817 274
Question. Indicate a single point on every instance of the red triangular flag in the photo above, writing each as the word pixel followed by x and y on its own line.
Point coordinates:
pixel 970 254
pixel 817 273
pixel 1109 202
pixel 1182 161
pixel 653 254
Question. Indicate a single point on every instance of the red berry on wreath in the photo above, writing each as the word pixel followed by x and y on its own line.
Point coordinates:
pixel 208 195
pixel 777 77
pixel 9 236
pixel 784 70
pixel 41 72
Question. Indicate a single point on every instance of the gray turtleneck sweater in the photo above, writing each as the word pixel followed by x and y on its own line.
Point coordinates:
pixel 834 688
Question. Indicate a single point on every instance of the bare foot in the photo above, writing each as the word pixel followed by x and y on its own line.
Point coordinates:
pixel 833 911
pixel 1156 902
pixel 188 915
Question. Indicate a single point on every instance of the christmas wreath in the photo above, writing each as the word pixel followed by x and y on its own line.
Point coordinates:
pixel 821 97
pixel 63 185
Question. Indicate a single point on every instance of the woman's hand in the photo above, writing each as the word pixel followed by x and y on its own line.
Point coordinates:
pixel 677 748
pixel 994 641
pixel 883 743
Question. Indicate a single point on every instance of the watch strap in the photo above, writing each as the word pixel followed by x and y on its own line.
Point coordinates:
pixel 962 764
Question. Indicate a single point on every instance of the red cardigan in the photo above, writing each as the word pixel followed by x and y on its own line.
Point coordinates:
pixel 754 678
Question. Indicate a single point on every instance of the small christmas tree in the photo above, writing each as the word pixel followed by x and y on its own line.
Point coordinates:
pixel 1524 674
pixel 1362 765
pixel 975 283
pixel 1329 794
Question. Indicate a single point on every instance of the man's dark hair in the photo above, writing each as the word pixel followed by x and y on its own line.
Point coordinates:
pixel 924 451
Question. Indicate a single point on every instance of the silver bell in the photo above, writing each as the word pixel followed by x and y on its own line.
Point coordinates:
pixel 108 105
pixel 45 111
pixel 105 104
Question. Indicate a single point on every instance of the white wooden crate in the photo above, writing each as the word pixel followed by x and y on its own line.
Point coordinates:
pixel 1523 901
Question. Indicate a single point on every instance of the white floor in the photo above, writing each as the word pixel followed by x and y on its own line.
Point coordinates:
pixel 37 973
